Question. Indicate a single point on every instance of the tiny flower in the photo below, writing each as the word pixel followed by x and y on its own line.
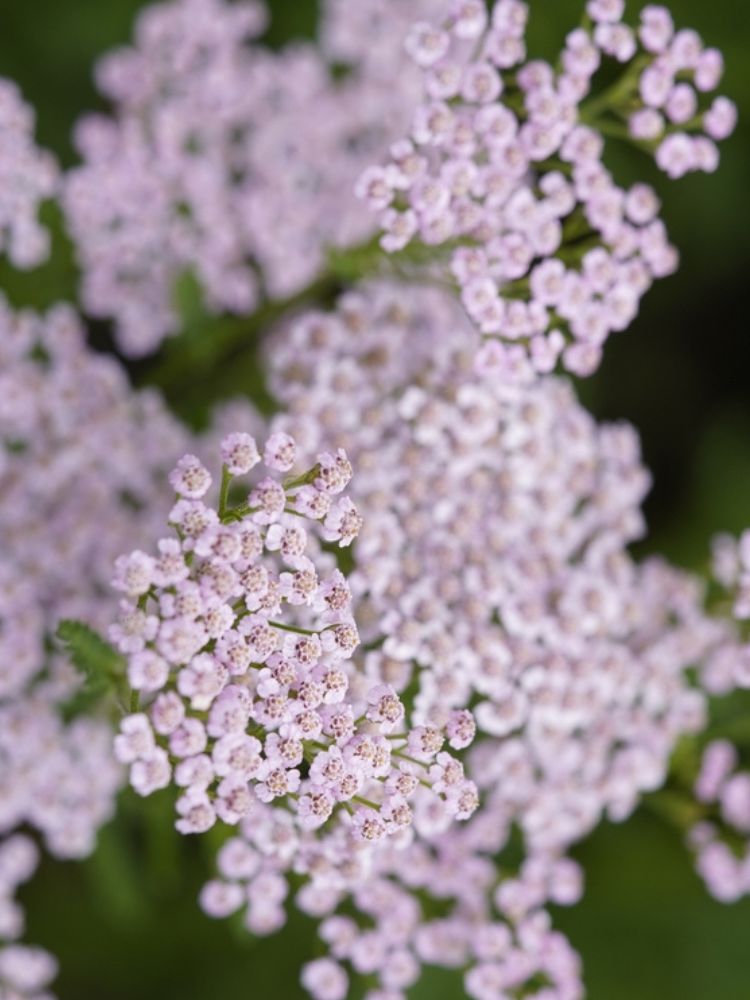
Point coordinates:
pixel 324 979
pixel 280 452
pixel 312 502
pixel 190 478
pixel 269 499
pixel 367 824
pixel 239 453
pixel 135 739
pixel 134 573
pixel 461 729
pixel 150 772
pixel 385 707
pixel 343 522
pixel 335 472
pixel 221 899
pixel 170 567
pixel 426 44
pixel 197 815
pixel 147 671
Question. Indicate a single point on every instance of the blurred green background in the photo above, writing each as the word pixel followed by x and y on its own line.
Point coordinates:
pixel 125 923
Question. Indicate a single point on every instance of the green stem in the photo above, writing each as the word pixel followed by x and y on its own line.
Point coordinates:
pixel 305 479
pixel 226 479
pixel 412 760
pixel 292 628
pixel 237 513
pixel 185 359
pixel 616 95
pixel 679 810
pixel 366 802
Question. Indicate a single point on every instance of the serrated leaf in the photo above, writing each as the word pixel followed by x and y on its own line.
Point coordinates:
pixel 99 663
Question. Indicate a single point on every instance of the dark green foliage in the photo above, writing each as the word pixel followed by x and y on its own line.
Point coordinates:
pixel 101 666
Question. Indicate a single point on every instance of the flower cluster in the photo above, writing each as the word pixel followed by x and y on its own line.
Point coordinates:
pixel 223 159
pixel 503 167
pixel 719 834
pixel 504 954
pixel 492 571
pixel 493 923
pixel 60 778
pixel 25 971
pixel 674 74
pixel 78 449
pixel 320 698
pixel 368 36
pixel 28 176
pixel 58 485
pixel 240 633
pixel 728 669
pixel 495 543
pixel 721 840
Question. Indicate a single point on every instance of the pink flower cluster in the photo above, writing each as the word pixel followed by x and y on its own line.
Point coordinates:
pixel 28 177
pixel 728 669
pixel 502 167
pixel 369 36
pixel 492 571
pixel 59 778
pixel 720 836
pixel 491 581
pixel 494 925
pixel 223 159
pixel 504 951
pixel 58 486
pixel 493 568
pixel 240 634
pixel 721 840
pixel 25 971
pixel 666 111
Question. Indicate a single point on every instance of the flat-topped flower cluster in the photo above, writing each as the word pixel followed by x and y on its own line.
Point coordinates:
pixel 319 698
pixel 222 158
pixel 503 166
pixel 240 634
pixel 492 571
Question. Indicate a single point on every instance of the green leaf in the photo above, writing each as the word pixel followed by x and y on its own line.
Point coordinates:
pixel 188 300
pixel 101 665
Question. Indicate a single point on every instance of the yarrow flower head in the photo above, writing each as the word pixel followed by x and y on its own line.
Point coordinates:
pixel 59 484
pixel 502 169
pixel 222 160
pixel 518 675
pixel 493 568
pixel 492 572
pixel 251 700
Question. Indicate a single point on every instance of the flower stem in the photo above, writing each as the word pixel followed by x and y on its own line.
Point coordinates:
pixel 226 479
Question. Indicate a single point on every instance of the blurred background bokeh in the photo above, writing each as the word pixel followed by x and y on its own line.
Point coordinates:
pixel 125 924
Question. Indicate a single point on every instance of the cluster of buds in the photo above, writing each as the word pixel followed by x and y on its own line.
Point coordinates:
pixel 239 633
pixel 503 167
